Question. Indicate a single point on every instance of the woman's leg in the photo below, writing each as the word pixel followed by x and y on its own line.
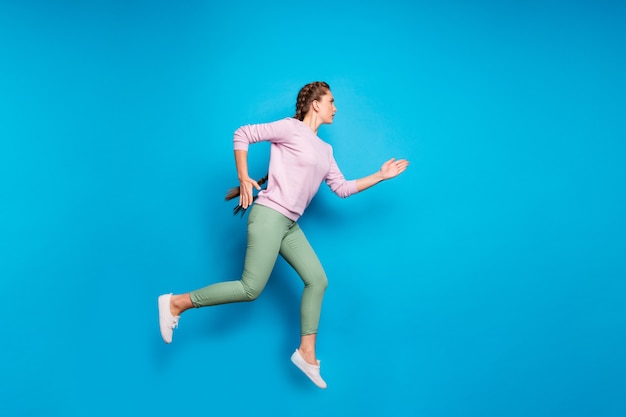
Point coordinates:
pixel 300 255
pixel 266 228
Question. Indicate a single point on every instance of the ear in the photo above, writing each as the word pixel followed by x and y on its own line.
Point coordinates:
pixel 315 105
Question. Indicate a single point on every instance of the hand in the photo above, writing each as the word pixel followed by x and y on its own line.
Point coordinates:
pixel 245 191
pixel 393 168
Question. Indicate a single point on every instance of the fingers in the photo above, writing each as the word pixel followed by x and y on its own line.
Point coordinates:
pixel 245 192
pixel 245 200
pixel 393 167
pixel 389 162
pixel 402 164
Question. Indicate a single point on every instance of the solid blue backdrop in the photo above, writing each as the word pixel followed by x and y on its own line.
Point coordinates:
pixel 487 280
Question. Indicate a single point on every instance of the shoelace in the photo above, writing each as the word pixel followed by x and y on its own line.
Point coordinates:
pixel 175 323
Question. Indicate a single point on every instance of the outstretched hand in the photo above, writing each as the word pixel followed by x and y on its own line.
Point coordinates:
pixel 393 168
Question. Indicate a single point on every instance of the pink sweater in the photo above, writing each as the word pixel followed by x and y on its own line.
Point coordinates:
pixel 299 162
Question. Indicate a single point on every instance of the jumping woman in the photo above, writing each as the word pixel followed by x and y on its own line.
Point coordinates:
pixel 299 162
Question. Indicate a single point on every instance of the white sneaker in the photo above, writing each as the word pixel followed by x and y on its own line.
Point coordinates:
pixel 167 321
pixel 312 371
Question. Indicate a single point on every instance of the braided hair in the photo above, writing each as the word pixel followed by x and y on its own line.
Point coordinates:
pixel 307 95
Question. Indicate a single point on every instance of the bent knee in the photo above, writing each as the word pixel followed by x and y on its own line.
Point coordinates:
pixel 319 283
pixel 324 283
pixel 251 293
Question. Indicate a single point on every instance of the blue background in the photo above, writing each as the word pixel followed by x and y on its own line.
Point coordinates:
pixel 488 280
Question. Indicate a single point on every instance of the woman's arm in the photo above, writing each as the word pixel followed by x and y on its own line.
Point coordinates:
pixel 274 132
pixel 245 182
pixel 390 169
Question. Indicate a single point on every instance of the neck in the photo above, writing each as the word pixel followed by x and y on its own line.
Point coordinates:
pixel 312 121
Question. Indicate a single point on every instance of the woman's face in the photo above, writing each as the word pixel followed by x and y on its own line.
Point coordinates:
pixel 326 108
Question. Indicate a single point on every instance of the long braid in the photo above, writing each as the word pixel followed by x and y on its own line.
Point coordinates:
pixel 235 191
pixel 307 95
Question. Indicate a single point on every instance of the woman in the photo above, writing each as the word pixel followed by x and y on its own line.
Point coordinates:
pixel 299 162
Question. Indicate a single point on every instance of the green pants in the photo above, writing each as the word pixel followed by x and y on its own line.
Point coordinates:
pixel 270 234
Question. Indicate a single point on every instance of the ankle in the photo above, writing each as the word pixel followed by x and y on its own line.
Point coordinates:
pixel 178 304
pixel 308 354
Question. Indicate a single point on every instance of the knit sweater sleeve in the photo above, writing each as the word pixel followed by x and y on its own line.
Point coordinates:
pixel 337 182
pixel 274 132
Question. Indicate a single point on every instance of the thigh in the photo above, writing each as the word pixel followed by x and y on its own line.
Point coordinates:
pixel 266 229
pixel 299 253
